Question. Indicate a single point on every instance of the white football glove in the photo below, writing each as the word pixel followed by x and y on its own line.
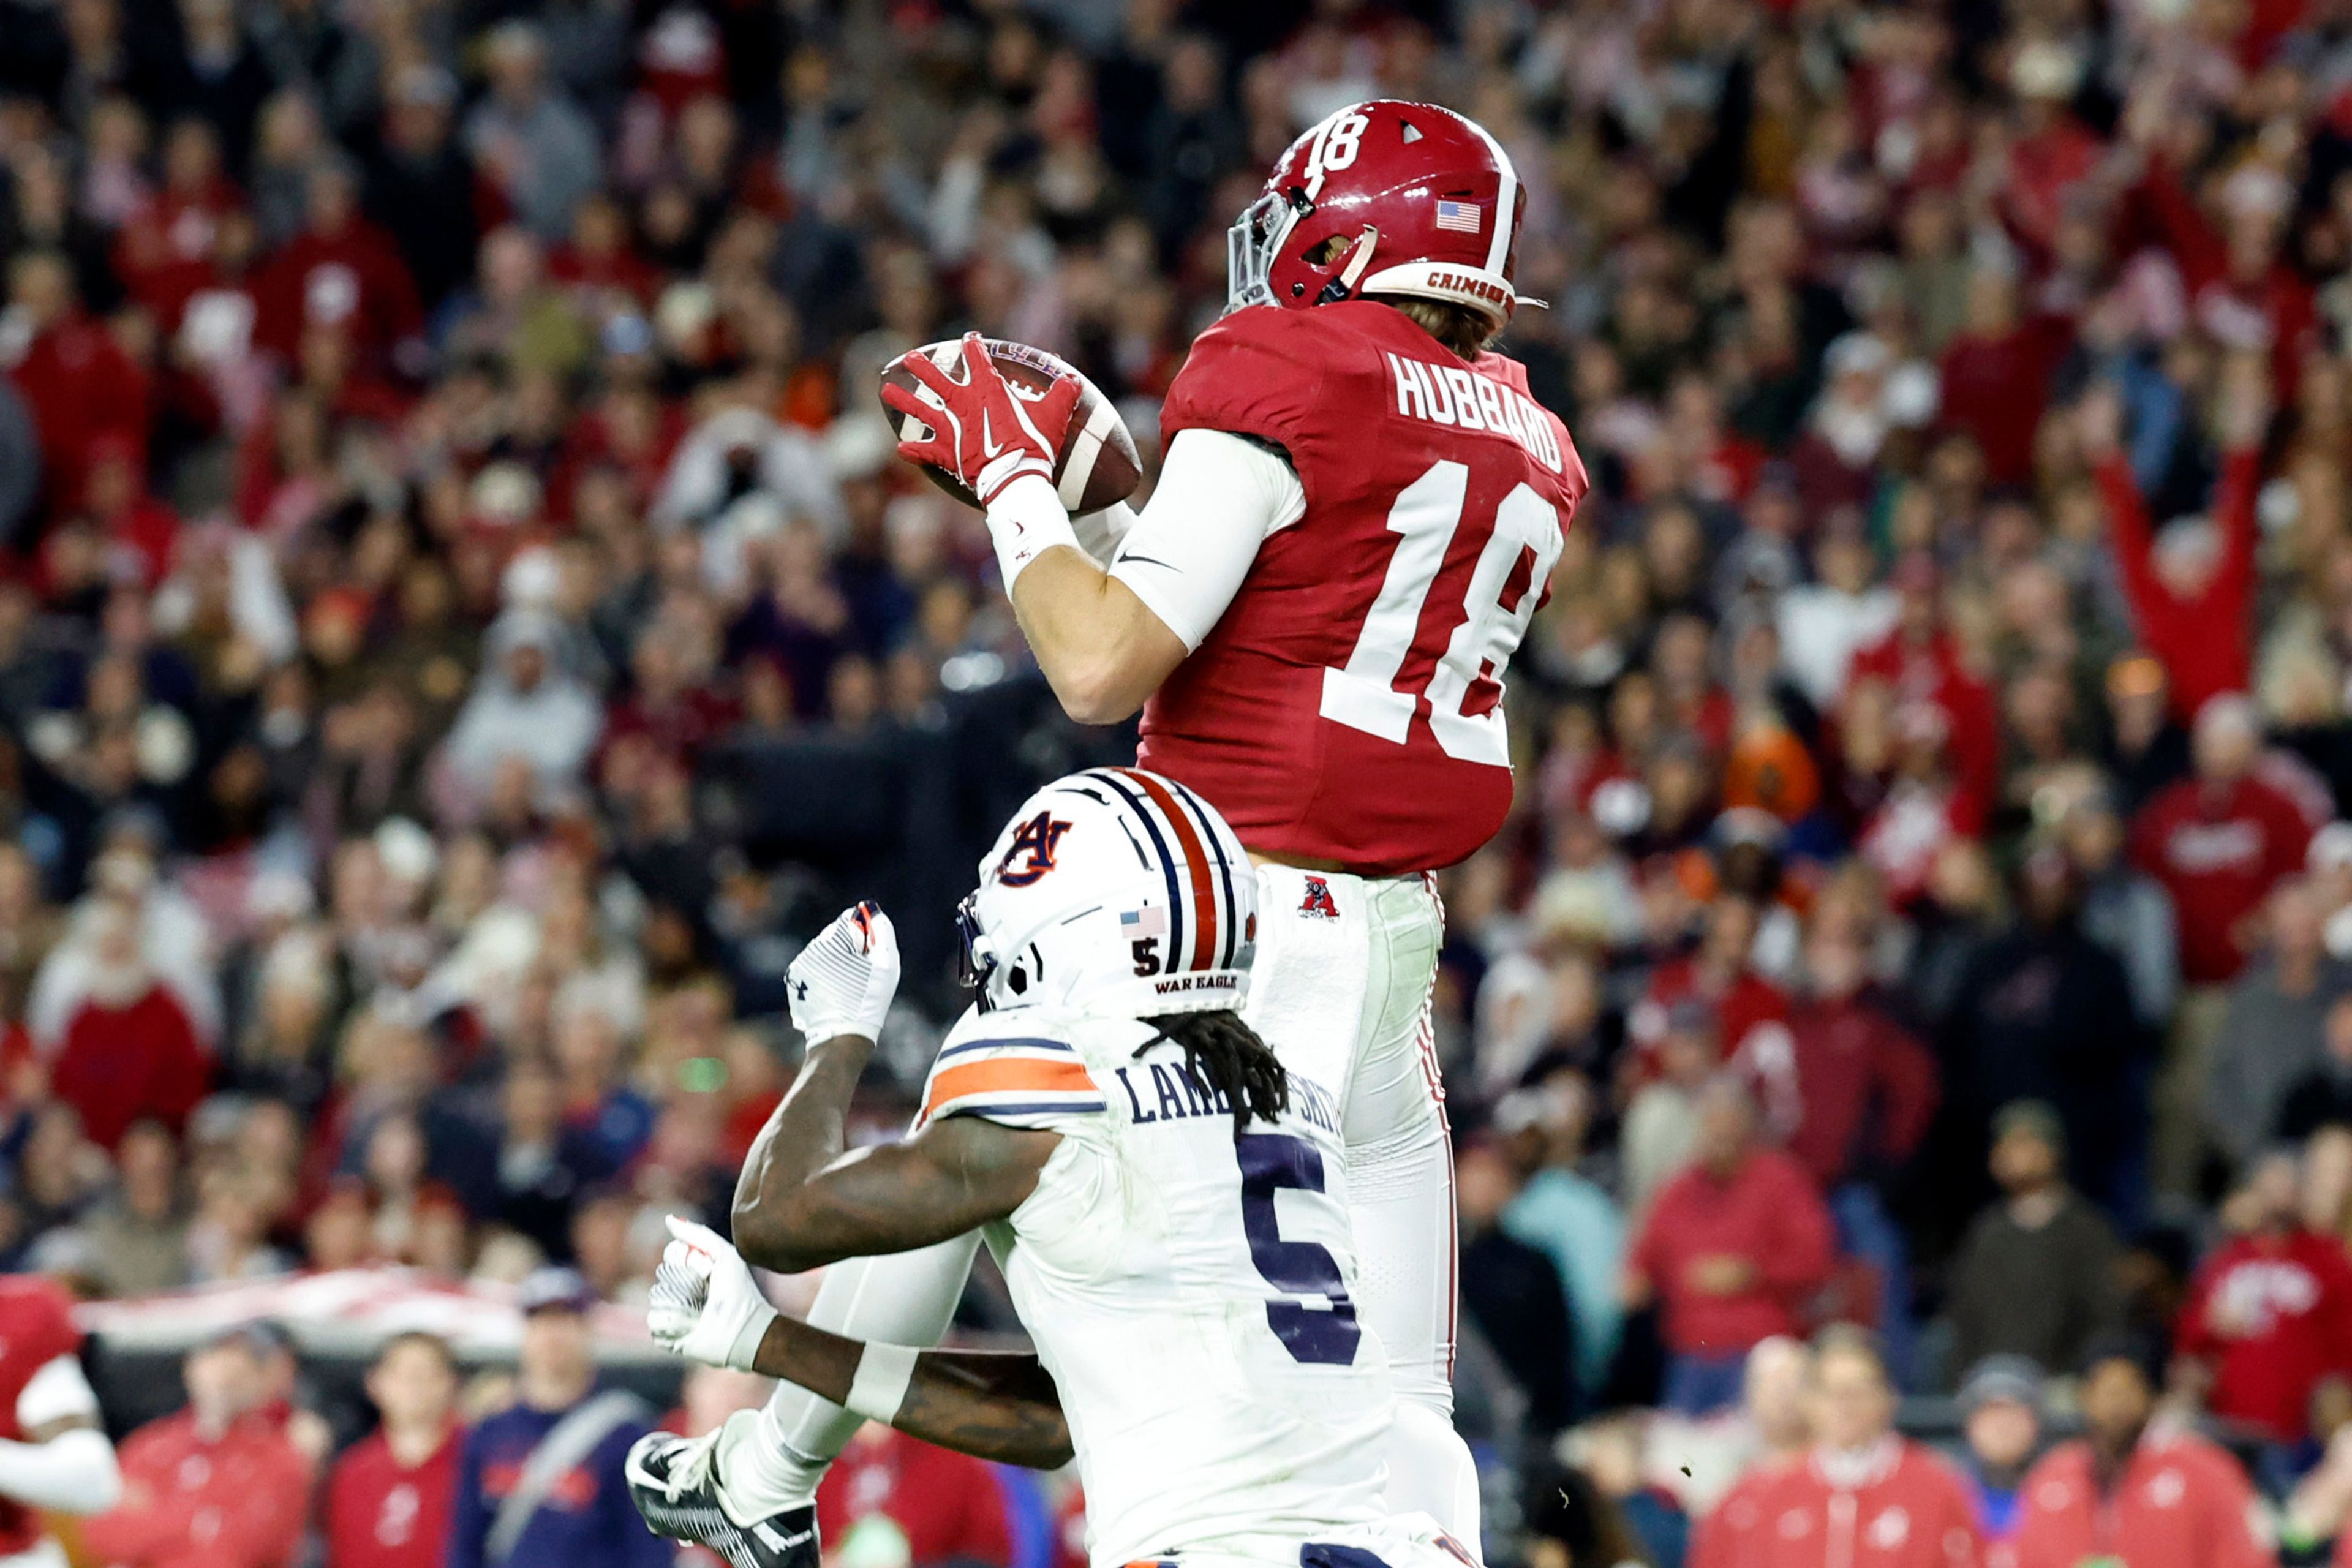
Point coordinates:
pixel 704 1305
pixel 843 982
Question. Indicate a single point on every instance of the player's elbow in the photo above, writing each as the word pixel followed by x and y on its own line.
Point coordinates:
pixel 765 1237
pixel 1099 688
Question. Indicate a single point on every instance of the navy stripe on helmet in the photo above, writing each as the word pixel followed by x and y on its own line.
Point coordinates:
pixel 1208 827
pixel 1136 803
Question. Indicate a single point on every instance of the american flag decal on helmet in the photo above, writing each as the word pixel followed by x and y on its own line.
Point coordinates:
pixel 1462 217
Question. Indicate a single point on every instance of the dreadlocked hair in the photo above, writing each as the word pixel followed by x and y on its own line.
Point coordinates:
pixel 1225 1055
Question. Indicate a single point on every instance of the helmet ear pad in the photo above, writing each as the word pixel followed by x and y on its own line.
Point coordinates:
pixel 1024 973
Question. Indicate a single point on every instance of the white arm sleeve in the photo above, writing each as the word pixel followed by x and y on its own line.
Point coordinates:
pixel 56 1393
pixel 1100 534
pixel 902 1299
pixel 1220 498
pixel 73 1472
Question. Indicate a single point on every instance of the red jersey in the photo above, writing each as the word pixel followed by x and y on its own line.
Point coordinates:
pixel 1893 1506
pixel 116 1064
pixel 2203 643
pixel 37 1327
pixel 1725 1537
pixel 1766 1212
pixel 187 1502
pixel 1844 1086
pixel 949 1505
pixel 354 279
pixel 1741 1007
pixel 2219 850
pixel 2181 1503
pixel 382 1513
pixel 1347 706
pixel 2275 1316
pixel 1934 673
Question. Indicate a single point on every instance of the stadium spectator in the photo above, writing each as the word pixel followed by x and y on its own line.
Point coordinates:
pixel 507 1509
pixel 1564 1213
pixel 2191 582
pixel 2134 1486
pixel 2322 1097
pixel 388 1497
pixel 1864 1494
pixel 1777 1420
pixel 2001 1415
pixel 2125 911
pixel 2276 1025
pixel 1727 1252
pixel 2035 1278
pixel 1570 1519
pixel 1852 1101
pixel 2269 1315
pixel 528 138
pixel 220 1482
pixel 138 1237
pixel 914 1503
pixel 1661 1126
pixel 1511 1294
pixel 1612 1453
pixel 128 1050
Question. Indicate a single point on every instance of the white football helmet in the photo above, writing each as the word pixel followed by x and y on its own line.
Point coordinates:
pixel 1116 891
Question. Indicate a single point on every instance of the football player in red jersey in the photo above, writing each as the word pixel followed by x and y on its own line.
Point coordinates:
pixel 1358 513
pixel 53 1457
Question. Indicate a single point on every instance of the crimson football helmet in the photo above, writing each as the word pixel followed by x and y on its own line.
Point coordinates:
pixel 1420 201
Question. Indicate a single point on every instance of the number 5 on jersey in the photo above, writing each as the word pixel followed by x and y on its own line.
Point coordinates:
pixel 1315 1320
pixel 1426 515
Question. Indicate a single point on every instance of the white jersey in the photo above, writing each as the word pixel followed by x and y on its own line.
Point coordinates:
pixel 1192 1294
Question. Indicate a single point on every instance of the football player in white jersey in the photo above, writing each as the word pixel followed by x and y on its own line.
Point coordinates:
pixel 1167 1202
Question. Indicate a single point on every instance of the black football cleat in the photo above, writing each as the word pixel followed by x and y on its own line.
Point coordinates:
pixel 676 1487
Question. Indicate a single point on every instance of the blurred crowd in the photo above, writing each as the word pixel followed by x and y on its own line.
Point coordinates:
pixel 463 625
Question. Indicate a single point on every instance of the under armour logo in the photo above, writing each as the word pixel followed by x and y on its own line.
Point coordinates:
pixel 800 990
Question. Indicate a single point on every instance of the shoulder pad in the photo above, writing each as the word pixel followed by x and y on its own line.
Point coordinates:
pixel 1028 1080
pixel 1266 373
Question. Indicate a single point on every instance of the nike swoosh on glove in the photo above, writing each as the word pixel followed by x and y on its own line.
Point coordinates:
pixel 704 1305
pixel 842 981
pixel 983 432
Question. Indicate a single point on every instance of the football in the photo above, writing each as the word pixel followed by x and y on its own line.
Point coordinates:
pixel 1097 466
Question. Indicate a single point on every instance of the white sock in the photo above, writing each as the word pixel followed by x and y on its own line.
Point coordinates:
pixel 905 1298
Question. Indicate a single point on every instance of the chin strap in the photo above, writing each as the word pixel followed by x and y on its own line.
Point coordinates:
pixel 1360 261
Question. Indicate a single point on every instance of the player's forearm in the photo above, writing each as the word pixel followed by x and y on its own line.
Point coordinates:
pixel 1102 651
pixel 803 1135
pixel 991 1405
